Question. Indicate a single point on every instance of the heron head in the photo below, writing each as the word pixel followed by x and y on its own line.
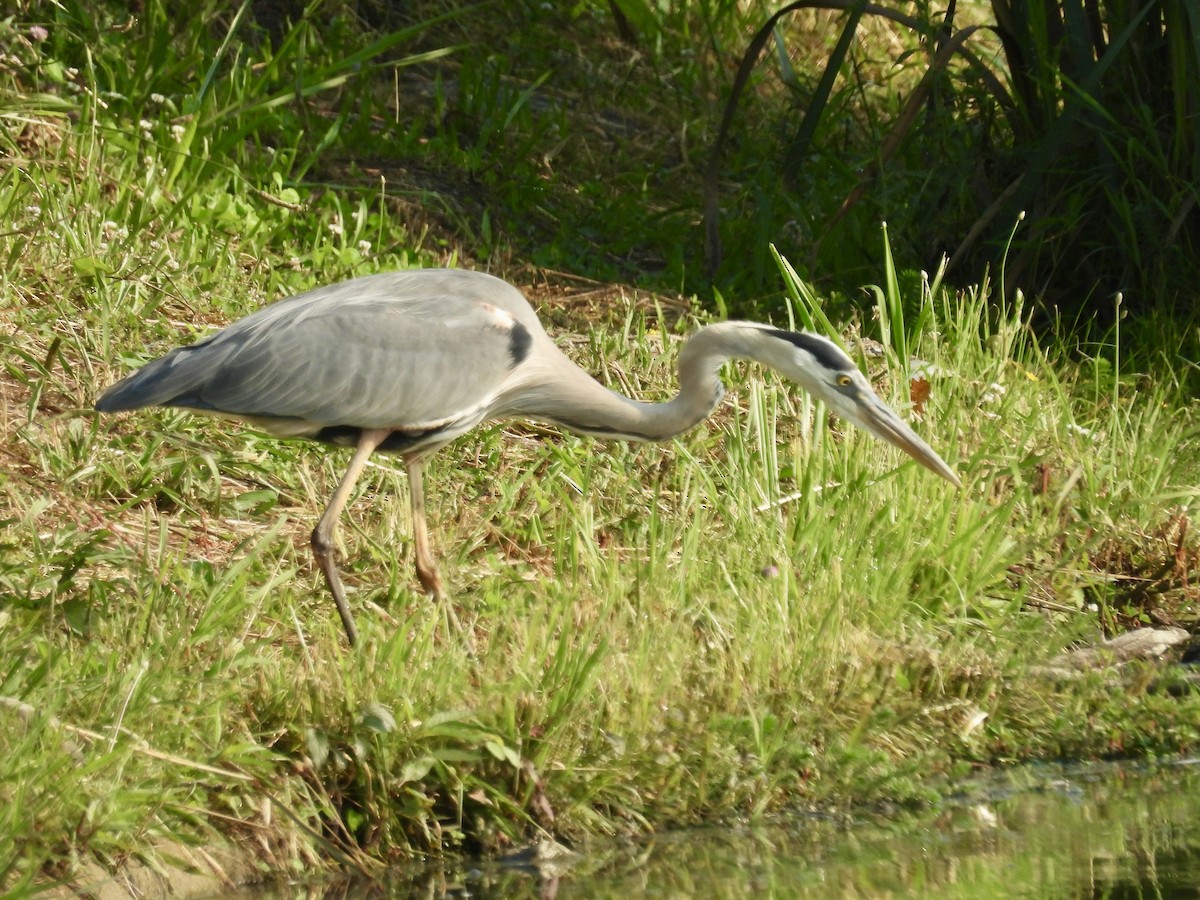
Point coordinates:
pixel 825 371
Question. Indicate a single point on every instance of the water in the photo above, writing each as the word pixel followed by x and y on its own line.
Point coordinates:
pixel 1045 832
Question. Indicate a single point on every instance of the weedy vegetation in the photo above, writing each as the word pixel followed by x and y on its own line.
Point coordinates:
pixel 770 613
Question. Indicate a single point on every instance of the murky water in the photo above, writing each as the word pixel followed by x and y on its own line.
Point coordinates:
pixel 1045 832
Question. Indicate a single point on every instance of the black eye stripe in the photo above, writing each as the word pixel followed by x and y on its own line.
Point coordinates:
pixel 825 352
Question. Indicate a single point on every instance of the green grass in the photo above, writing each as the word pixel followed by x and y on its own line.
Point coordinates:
pixel 772 612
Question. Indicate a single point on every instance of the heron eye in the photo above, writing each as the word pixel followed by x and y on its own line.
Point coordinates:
pixel 844 381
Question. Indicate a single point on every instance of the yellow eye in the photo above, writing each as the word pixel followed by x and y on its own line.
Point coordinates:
pixel 844 381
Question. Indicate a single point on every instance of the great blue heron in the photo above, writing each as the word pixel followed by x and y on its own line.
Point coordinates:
pixel 405 362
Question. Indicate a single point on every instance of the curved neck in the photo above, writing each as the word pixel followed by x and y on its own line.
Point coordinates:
pixel 565 394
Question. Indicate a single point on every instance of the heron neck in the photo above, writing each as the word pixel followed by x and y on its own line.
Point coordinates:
pixel 582 404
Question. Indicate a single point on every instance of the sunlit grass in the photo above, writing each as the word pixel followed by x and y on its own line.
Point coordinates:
pixel 764 613
pixel 767 612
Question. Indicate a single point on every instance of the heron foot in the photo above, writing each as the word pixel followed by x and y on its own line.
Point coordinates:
pixel 431 581
pixel 325 553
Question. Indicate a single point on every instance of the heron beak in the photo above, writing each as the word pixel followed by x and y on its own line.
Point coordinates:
pixel 879 419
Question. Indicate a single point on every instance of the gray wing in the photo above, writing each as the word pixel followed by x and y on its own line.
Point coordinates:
pixel 409 350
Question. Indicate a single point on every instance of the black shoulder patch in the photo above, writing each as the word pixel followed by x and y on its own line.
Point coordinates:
pixel 519 342
pixel 824 351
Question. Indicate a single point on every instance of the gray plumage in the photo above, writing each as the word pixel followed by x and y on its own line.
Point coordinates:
pixel 407 361
pixel 336 355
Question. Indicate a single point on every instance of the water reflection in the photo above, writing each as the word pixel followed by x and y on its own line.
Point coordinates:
pixel 1111 832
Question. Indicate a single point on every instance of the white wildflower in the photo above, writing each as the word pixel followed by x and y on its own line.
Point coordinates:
pixel 1072 428
pixel 927 371
pixel 993 393
pixel 177 132
pixel 364 247
pixel 111 230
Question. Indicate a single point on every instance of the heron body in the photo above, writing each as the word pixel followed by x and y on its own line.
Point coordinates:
pixel 405 362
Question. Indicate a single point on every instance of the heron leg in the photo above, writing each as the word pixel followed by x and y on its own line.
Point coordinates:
pixel 427 570
pixel 323 547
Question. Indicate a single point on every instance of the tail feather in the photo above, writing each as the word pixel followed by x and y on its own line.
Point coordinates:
pixel 155 384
